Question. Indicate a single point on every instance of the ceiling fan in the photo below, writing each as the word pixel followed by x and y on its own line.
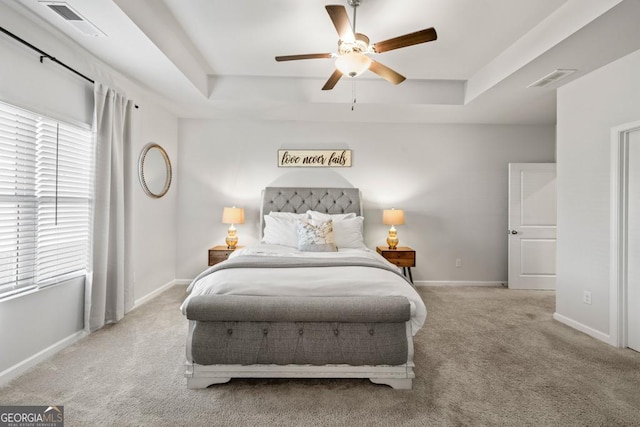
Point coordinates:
pixel 353 48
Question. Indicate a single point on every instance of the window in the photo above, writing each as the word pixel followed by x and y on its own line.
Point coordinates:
pixel 46 195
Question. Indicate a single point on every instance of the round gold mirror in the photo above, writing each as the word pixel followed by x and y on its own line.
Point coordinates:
pixel 154 170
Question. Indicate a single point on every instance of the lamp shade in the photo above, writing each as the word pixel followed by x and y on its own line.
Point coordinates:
pixel 353 64
pixel 233 215
pixel 393 217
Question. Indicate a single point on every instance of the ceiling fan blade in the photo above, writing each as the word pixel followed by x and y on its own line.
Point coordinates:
pixel 332 80
pixel 340 19
pixel 386 73
pixel 305 56
pixel 410 39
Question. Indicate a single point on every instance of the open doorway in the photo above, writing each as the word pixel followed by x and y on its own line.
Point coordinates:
pixel 625 236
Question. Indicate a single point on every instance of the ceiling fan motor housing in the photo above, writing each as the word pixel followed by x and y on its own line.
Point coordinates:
pixel 359 45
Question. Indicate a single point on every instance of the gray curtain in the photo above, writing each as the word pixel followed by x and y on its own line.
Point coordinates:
pixel 109 290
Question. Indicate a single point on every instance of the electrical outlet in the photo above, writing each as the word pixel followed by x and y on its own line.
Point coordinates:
pixel 586 297
pixel 458 263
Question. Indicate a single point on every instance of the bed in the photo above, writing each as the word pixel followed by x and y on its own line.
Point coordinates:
pixel 293 308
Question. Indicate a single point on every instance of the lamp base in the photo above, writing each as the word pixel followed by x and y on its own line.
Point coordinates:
pixel 232 238
pixel 392 240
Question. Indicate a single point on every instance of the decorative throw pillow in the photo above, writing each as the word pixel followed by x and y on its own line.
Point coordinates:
pixel 315 236
pixel 347 228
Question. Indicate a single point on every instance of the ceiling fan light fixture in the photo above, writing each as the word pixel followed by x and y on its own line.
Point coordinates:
pixel 353 48
pixel 353 64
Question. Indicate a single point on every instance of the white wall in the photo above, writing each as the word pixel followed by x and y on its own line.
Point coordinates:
pixel 587 110
pixel 33 322
pixel 451 180
pixel 153 227
pixel 30 324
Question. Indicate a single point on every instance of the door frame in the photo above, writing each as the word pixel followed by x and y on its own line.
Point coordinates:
pixel 618 242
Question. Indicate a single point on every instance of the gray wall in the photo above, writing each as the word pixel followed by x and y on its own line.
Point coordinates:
pixel 588 109
pixel 451 180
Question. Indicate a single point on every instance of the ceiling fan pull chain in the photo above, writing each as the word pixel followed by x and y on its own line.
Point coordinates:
pixel 353 94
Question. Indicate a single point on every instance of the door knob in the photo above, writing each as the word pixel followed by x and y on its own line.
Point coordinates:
pixel 514 232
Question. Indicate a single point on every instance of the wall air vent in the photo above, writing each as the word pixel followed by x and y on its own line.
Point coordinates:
pixel 552 77
pixel 73 18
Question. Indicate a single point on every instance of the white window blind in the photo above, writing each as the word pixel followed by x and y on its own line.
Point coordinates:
pixel 17 199
pixel 45 200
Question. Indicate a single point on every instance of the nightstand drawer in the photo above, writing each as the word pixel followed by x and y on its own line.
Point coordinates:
pixel 402 256
pixel 402 262
pixel 399 255
pixel 217 257
pixel 218 254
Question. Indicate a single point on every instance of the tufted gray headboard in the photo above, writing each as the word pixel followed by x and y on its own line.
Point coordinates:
pixel 302 199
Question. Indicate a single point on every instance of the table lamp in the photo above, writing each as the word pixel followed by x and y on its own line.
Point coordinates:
pixel 392 217
pixel 232 216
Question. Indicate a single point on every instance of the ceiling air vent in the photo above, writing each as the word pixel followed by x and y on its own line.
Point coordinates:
pixel 552 77
pixel 72 17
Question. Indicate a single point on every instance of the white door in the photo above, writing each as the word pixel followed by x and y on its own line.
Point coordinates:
pixel 633 242
pixel 532 225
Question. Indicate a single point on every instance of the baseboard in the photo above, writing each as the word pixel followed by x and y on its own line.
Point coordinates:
pixel 20 368
pixel 582 328
pixel 183 281
pixel 458 283
pixel 151 295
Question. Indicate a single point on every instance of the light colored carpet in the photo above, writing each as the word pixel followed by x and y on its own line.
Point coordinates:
pixel 486 356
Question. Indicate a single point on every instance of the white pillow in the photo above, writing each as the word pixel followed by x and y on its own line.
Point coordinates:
pixel 280 231
pixel 319 216
pixel 315 236
pixel 288 215
pixel 348 233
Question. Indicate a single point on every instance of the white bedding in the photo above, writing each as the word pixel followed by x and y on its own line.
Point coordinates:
pixel 312 281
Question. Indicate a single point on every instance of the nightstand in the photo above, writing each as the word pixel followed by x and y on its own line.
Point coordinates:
pixel 402 256
pixel 219 253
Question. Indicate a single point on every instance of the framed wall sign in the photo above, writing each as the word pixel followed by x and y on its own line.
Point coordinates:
pixel 294 158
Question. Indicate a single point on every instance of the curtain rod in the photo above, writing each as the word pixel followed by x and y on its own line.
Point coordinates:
pixel 44 54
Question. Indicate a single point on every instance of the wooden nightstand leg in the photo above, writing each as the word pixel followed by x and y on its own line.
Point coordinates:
pixel 410 276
